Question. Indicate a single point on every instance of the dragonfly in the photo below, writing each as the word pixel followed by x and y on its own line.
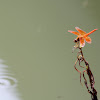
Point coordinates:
pixel 82 36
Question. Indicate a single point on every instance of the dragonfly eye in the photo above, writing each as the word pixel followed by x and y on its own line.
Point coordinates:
pixel 75 40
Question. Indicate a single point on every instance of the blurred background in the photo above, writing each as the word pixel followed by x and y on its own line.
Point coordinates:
pixel 36 46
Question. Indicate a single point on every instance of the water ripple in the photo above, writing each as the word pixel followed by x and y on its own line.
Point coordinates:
pixel 8 84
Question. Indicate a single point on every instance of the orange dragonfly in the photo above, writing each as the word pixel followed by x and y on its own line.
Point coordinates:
pixel 82 36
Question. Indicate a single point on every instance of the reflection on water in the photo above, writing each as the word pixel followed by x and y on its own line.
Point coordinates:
pixel 8 84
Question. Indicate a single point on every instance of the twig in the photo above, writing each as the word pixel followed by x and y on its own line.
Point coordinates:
pixel 80 58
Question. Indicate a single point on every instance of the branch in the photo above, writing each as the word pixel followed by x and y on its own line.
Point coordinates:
pixel 80 58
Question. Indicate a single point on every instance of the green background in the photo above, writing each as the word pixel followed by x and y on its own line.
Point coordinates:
pixel 35 43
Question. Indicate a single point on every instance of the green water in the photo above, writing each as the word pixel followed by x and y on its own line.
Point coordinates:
pixel 36 46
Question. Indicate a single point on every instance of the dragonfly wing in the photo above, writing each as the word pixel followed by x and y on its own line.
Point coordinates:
pixel 88 39
pixel 90 32
pixel 76 33
pixel 80 31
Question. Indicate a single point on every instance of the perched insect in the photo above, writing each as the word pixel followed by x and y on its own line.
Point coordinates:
pixel 82 36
